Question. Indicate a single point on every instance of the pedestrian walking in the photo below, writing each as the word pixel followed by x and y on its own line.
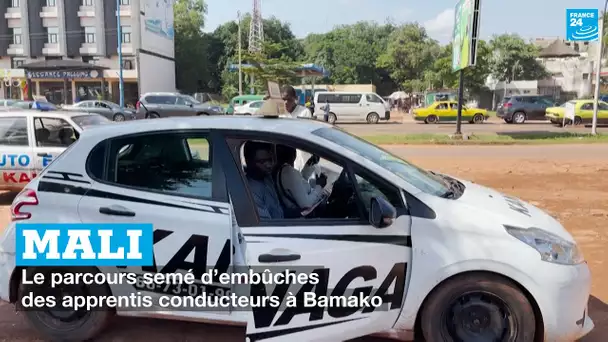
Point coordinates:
pixel 325 109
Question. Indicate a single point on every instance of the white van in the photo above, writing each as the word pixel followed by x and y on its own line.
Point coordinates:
pixel 352 106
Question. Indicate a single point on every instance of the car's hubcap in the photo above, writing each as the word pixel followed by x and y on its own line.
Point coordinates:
pixel 519 118
pixel 120 118
pixel 480 317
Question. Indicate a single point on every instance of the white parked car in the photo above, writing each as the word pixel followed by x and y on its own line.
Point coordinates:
pixel 31 139
pixel 452 260
pixel 250 108
pixel 352 106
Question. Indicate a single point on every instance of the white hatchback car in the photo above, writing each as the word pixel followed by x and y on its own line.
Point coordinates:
pixel 451 260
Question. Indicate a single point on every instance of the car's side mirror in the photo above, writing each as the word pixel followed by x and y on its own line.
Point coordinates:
pixel 381 213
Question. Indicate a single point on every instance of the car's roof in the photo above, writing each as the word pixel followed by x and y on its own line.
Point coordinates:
pixel 161 94
pixel 54 113
pixel 291 126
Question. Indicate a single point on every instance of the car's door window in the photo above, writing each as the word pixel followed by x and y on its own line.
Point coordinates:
pixel 182 101
pixel 370 188
pixel 13 131
pixel 442 106
pixel 603 106
pixel 53 132
pixel 587 106
pixel 167 163
pixel 373 98
pixel 256 104
pixel 85 104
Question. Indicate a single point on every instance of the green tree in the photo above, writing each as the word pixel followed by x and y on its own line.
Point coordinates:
pixel 191 67
pixel 349 52
pixel 514 59
pixel 409 54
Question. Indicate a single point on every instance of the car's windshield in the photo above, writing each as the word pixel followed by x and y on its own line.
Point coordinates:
pixel 569 102
pixel 421 179
pixel 191 99
pixel 85 121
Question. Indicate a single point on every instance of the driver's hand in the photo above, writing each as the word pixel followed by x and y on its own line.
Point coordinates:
pixel 313 160
pixel 322 180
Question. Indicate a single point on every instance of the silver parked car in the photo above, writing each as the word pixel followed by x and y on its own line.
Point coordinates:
pixel 161 105
pixel 110 110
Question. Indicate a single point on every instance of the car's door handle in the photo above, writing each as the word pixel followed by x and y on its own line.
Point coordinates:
pixel 268 258
pixel 116 211
pixel 41 154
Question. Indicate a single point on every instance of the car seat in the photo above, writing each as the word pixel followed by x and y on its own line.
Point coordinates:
pixel 42 136
pixel 65 136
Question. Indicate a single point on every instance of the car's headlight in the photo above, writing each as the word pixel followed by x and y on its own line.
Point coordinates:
pixel 551 247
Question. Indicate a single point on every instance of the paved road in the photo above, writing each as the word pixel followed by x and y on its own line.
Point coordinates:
pixel 494 125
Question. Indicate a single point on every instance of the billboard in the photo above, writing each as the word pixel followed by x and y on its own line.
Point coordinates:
pixel 156 54
pixel 582 24
pixel 466 31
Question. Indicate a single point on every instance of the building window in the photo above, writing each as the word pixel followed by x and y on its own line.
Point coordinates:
pixel 87 3
pixel 17 62
pixel 125 2
pixel 52 35
pixel 51 3
pixel 127 64
pixel 17 35
pixel 126 34
pixel 89 34
pixel 53 58
pixel 15 4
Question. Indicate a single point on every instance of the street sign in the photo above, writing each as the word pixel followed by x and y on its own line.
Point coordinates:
pixel 582 24
pixel 464 36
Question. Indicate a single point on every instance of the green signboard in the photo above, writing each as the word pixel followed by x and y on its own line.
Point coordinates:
pixel 466 31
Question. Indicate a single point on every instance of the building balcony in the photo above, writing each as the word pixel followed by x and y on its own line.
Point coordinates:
pixel 127 49
pixel 48 12
pixel 125 11
pixel 51 49
pixel 86 11
pixel 88 49
pixel 12 13
pixel 15 50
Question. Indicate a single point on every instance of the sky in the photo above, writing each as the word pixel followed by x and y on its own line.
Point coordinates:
pixel 528 18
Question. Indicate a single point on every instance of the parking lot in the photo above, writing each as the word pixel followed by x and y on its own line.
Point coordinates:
pixel 570 181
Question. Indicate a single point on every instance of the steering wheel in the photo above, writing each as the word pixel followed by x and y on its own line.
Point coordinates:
pixel 342 197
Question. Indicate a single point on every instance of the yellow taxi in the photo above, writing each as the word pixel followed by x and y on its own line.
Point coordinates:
pixel 583 113
pixel 445 111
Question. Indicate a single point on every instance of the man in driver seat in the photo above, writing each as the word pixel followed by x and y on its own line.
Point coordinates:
pixel 295 190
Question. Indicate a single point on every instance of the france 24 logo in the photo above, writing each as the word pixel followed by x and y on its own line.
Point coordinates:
pixel 582 24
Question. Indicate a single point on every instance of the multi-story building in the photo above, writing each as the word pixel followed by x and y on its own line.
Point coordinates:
pixel 83 34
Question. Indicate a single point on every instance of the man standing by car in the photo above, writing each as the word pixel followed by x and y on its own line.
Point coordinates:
pixel 289 96
pixel 325 108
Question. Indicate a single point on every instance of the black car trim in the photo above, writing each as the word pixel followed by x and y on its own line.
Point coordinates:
pixel 398 240
pixel 77 190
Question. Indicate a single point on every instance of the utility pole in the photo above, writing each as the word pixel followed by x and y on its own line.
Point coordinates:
pixel 598 70
pixel 121 85
pixel 240 57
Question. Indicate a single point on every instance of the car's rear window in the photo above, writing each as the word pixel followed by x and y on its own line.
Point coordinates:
pixel 506 99
pixel 85 121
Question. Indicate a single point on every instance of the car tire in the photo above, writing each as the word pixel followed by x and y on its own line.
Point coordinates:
pixel 478 119
pixel 119 117
pixel 578 120
pixel 153 115
pixel 202 113
pixel 247 114
pixel 519 118
pixel 372 118
pixel 508 121
pixel 85 324
pixel 483 294
pixel 331 118
pixel 431 119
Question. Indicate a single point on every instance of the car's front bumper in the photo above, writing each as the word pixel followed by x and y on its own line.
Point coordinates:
pixel 562 296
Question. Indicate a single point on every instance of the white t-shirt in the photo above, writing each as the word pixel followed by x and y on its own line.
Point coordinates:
pixel 301 112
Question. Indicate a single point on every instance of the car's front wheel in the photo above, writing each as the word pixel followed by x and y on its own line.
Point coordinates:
pixel 478 307
pixel 60 322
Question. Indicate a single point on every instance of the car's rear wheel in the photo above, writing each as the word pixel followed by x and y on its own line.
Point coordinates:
pixel 153 115
pixel 61 322
pixel 431 119
pixel 578 120
pixel 331 118
pixel 508 121
pixel 373 118
pixel 478 307
pixel 519 118
pixel 119 117
pixel 202 113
